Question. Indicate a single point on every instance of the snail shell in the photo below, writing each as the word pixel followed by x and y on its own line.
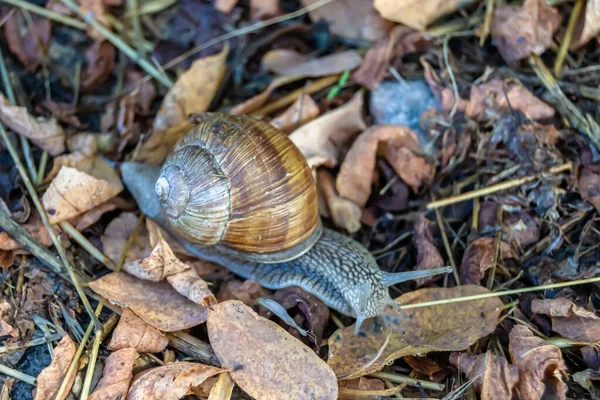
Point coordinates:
pixel 241 185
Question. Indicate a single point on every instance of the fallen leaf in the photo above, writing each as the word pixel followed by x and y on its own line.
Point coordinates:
pixel 589 186
pixel 51 377
pixel 89 218
pixel 190 285
pixel 157 303
pixel 586 379
pixel 116 235
pixel 242 340
pixel 101 63
pixel 46 134
pixel 518 31
pixel 225 6
pixel 303 110
pixel 143 93
pixel 506 95
pixel 539 365
pixel 34 226
pixel 400 333
pixel 28 41
pixel 133 332
pixel 588 25
pixel 401 40
pixel 6 323
pixel 84 143
pixel 444 95
pixel 247 292
pixel 256 102
pixel 351 19
pixel 521 229
pixel 399 145
pixel 94 166
pixel 428 256
pixel 569 320
pixel 171 381
pixel 286 62
pixel 494 378
pixel 192 93
pixel 223 388
pixel 73 192
pixel 479 257
pixel 591 356
pixel 116 376
pixel 321 140
pixel 418 14
pixel 64 112
pixel 264 9
pixel 343 212
pixel 423 365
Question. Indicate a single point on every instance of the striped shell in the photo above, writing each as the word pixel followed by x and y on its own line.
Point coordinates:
pixel 242 185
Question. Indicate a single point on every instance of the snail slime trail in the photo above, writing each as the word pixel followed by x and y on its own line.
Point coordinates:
pixel 229 196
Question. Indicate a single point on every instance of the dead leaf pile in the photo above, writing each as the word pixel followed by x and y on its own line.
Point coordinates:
pixel 29 42
pixel 494 377
pixel 569 320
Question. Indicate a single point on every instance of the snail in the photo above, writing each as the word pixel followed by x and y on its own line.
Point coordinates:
pixel 237 192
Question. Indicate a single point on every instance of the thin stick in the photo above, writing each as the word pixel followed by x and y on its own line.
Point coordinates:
pixel 440 222
pixel 498 294
pixel 42 168
pixel 566 42
pixel 487 22
pixel 17 374
pixel 494 188
pixel 405 379
pixel 44 12
pixel 90 248
pixel 38 205
pixel 117 42
pixel 87 382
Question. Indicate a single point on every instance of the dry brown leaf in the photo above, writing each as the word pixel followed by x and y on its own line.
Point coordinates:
pixel 101 63
pixel 6 322
pixel 133 332
pixel 399 145
pixel 243 340
pixel 518 31
pixel 225 6
pixel 51 377
pixel 84 143
pixel 569 320
pixel 64 112
pixel 424 365
pixel 116 376
pixel 352 19
pixel 343 212
pixel 428 256
pixel 247 292
pixel 479 257
pixel 411 331
pixel 256 102
pixel 588 25
pixel 589 186
pixel 506 95
pixel 34 226
pixel 286 62
pixel 322 139
pixel 157 303
pixel 73 192
pixel 89 218
pixel 417 14
pixel 264 9
pixel 494 378
pixel 223 388
pixel 302 111
pixel 170 381
pixel 116 234
pixel 539 365
pixel 443 95
pixel 29 42
pixel 192 93
pixel 93 165
pixel 46 134
pixel 190 285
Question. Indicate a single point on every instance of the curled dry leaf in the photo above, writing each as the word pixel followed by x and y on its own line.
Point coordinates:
pixel 157 303
pixel 133 332
pixel 589 186
pixel 428 256
pixel 29 42
pixel 51 377
pixel 480 256
pixel 352 19
pixel 302 111
pixel 171 381
pixel 321 140
pixel 417 14
pixel 116 235
pixel 46 134
pixel 73 192
pixel 518 31
pixel 242 340
pixel 101 62
pixel 588 25
pixel 247 292
pixel 569 320
pixel 256 102
pixel 399 144
pixel 343 212
pixel 494 378
pixel 192 93
pixel 539 365
pixel 6 322
pixel 290 63
pixel 506 95
pixel 116 376
pixel 189 284
pixel 418 330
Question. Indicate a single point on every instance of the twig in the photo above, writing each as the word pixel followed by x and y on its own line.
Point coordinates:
pixel 17 374
pixel 495 188
pixel 42 168
pixel 487 22
pixel 405 379
pixel 566 41
pixel 83 242
pixel 440 222
pixel 44 12
pixel 446 52
pixel 87 382
pixel 120 44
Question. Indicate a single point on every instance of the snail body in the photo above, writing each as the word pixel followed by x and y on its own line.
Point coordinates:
pixel 334 267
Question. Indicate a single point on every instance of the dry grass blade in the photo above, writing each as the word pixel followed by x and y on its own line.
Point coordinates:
pixel 51 15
